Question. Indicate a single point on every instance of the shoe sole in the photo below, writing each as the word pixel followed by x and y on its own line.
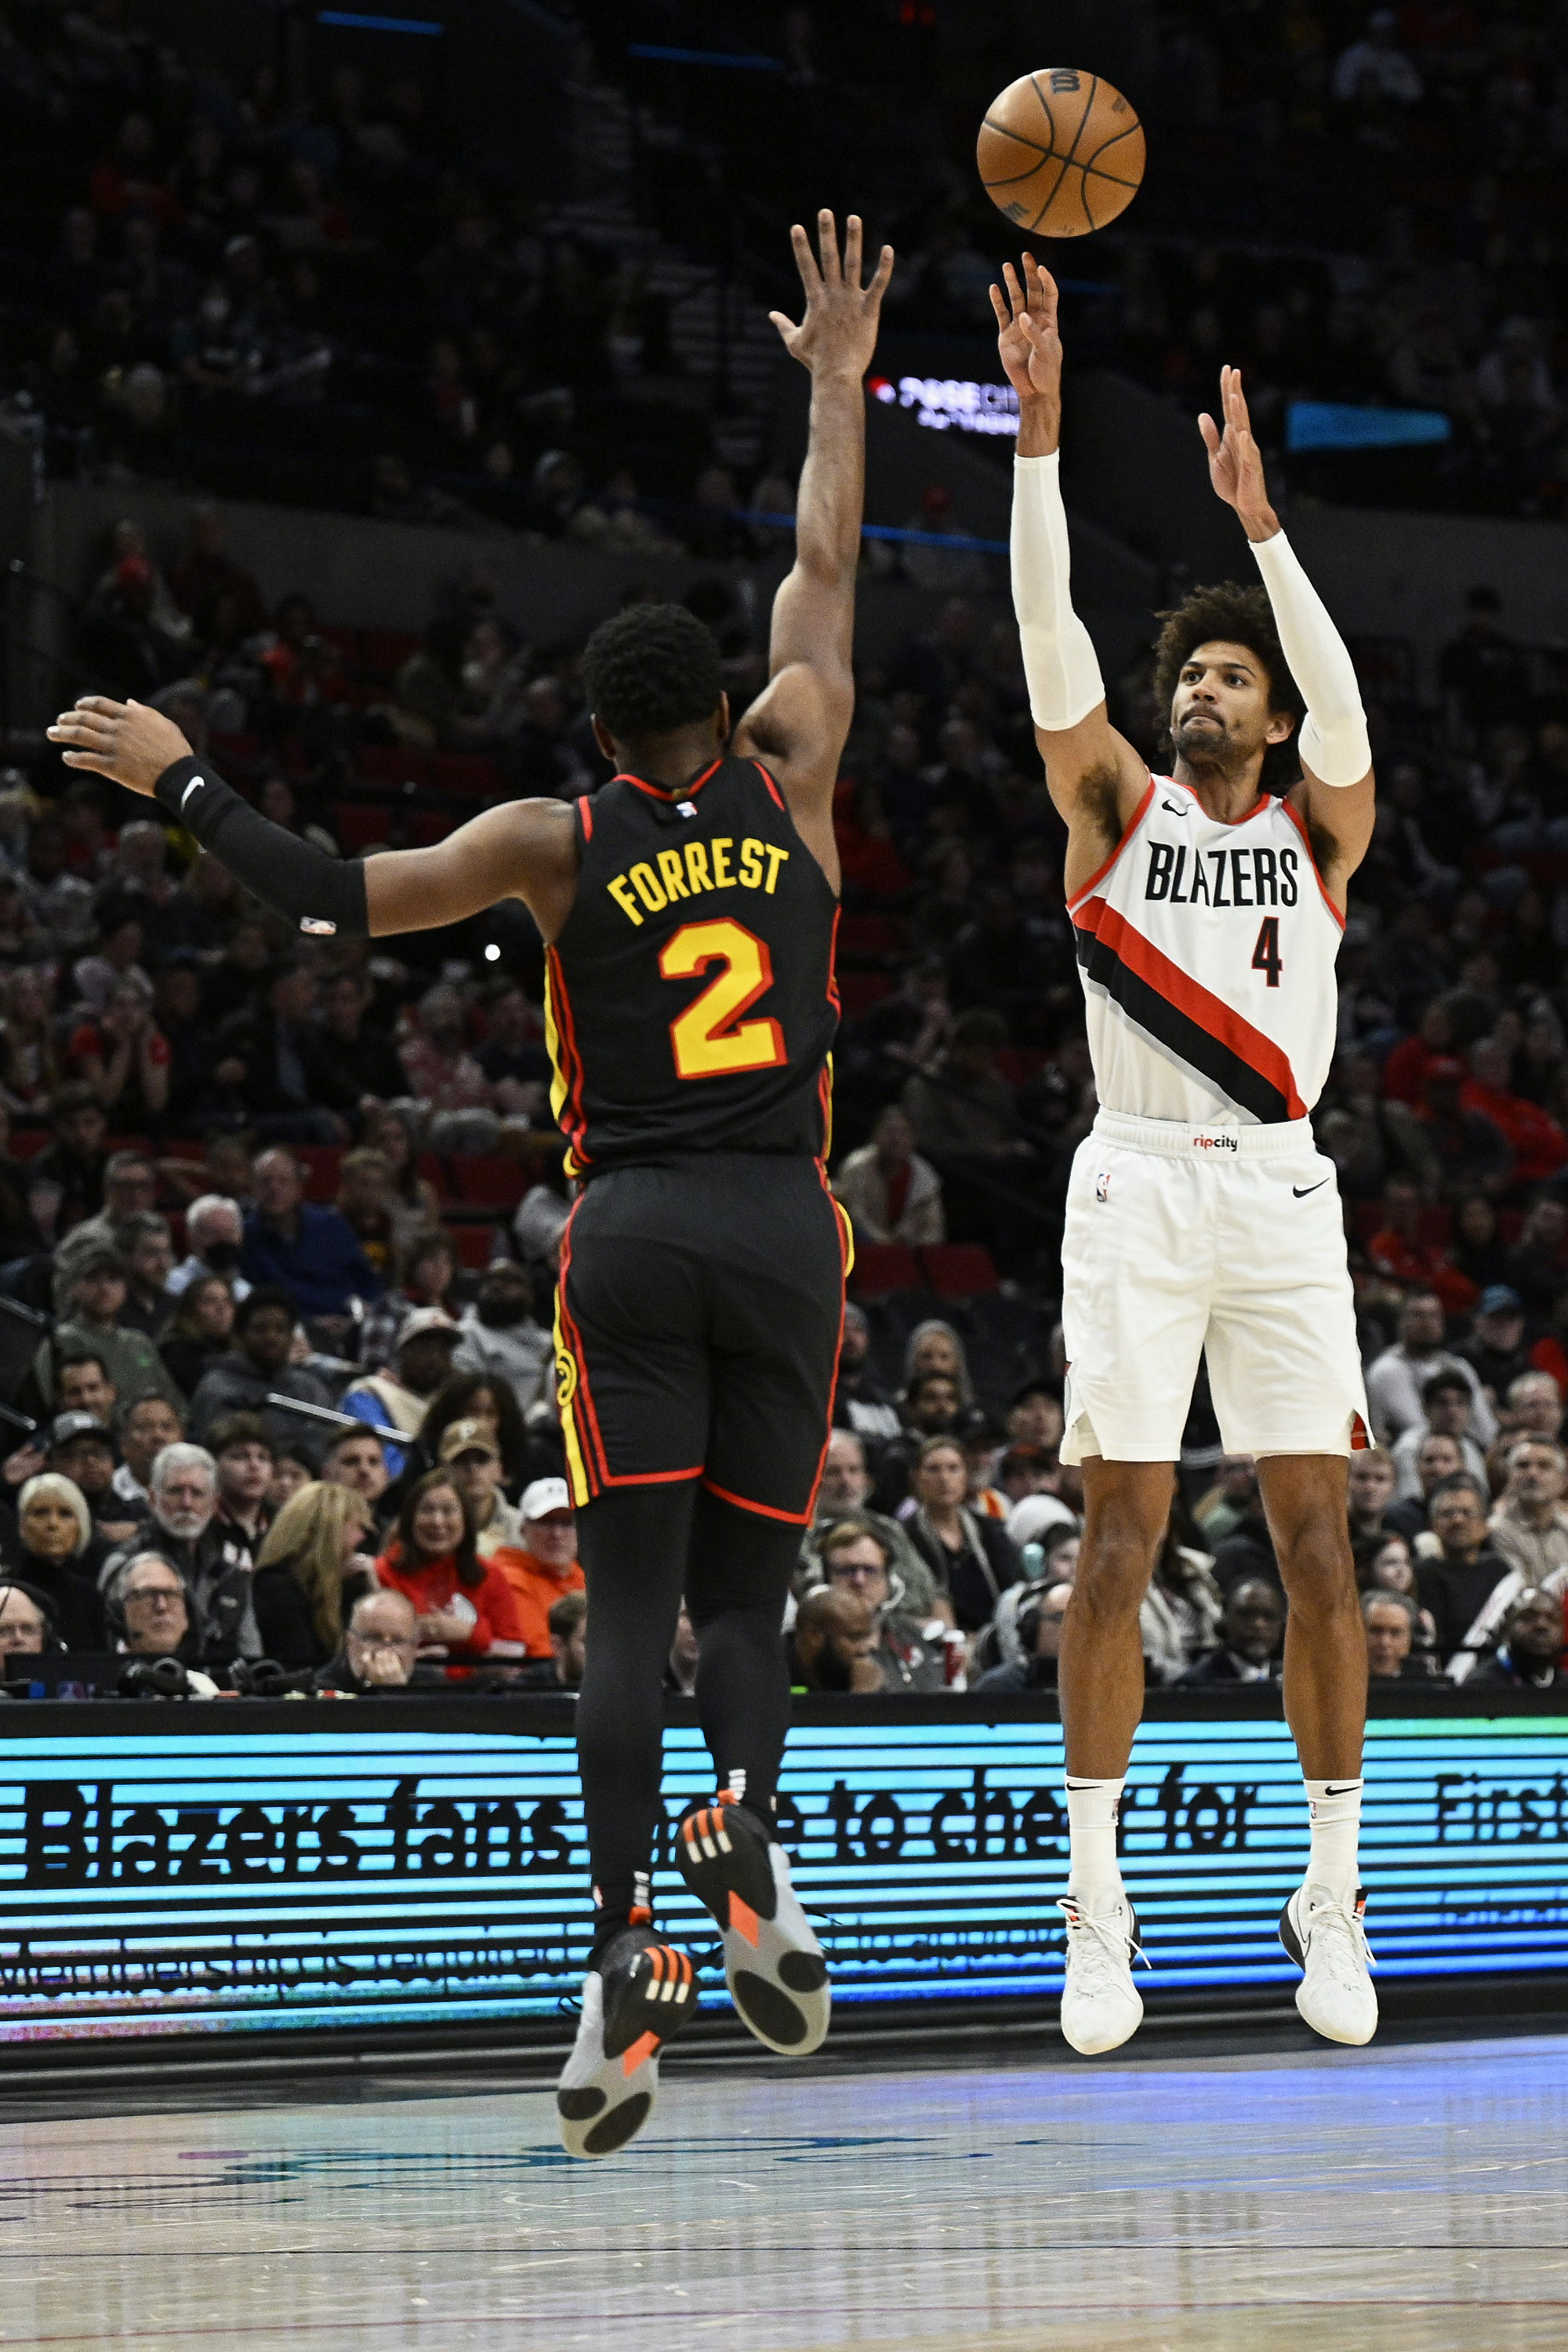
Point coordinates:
pixel 772 1962
pixel 1099 2048
pixel 1296 1950
pixel 605 2105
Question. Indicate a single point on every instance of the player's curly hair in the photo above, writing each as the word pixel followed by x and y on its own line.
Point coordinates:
pixel 1238 616
pixel 650 669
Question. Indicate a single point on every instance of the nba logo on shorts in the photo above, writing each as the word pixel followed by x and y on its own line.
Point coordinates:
pixel 1102 1188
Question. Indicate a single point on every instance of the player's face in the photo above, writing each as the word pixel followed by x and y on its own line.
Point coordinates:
pixel 1220 711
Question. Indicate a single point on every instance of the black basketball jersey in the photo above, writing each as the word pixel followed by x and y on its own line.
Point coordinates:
pixel 689 999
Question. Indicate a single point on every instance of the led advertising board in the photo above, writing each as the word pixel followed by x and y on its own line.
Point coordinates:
pixel 352 1871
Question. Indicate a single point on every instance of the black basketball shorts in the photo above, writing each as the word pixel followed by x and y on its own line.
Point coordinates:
pixel 696 1327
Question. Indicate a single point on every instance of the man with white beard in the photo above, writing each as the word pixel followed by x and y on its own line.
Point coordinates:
pixel 179 1527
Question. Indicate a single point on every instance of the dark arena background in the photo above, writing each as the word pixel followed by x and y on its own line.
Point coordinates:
pixel 355 364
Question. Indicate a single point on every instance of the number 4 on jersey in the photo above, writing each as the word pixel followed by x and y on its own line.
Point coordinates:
pixel 1265 954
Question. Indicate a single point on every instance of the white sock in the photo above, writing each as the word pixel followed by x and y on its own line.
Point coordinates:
pixel 1094 1874
pixel 1335 1808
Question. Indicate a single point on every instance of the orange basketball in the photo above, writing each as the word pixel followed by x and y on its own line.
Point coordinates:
pixel 1060 152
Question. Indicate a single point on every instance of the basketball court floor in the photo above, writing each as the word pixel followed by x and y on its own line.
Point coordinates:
pixel 1412 2198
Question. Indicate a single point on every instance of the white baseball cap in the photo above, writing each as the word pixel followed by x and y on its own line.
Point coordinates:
pixel 545 1495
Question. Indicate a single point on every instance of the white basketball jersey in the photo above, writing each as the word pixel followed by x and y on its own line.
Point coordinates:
pixel 1208 956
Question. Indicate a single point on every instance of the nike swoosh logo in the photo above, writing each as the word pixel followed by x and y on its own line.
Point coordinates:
pixel 1301 1190
pixel 1174 807
pixel 1344 1791
pixel 193 786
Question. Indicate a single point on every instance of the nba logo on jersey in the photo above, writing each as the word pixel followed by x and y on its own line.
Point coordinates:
pixel 1103 1187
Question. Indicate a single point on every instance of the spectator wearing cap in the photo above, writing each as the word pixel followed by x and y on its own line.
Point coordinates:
pixel 1037 1629
pixel 1530 1656
pixel 1394 1378
pixel 58 1553
pixel 1529 1525
pixel 844 1492
pixel 400 1399
pixel 256 1367
pixel 1025 1470
pixel 860 1402
pixel 543 1564
pixel 1034 1518
pixel 501 1336
pixel 130 1359
pixel 1495 1350
pixel 82 1449
pixel 911 1656
pixel 1035 1415
pixel 215 1238
pixel 1447 1405
pixel 293 1244
pixel 469 1449
pixel 892 1194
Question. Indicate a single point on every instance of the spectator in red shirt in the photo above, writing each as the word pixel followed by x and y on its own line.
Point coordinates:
pixel 1406 1072
pixel 1398 1252
pixel 1538 1143
pixel 465 1610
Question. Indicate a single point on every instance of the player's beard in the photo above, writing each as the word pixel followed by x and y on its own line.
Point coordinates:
pixel 1209 745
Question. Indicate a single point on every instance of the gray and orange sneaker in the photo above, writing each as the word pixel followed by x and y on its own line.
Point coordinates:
pixel 772 1962
pixel 636 1997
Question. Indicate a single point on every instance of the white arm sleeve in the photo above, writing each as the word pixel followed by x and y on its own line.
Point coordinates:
pixel 1059 660
pixel 1333 741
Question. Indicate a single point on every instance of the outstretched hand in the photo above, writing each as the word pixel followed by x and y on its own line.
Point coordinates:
pixel 125 741
pixel 838 332
pixel 1029 343
pixel 1235 462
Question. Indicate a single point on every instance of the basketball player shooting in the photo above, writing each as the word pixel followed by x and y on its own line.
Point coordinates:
pixel 688 910
pixel 1207 915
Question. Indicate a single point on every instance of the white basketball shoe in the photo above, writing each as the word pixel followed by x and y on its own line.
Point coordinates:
pixel 1101 2004
pixel 1328 1943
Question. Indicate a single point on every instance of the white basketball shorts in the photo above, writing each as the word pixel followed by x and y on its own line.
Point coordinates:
pixel 1229 1239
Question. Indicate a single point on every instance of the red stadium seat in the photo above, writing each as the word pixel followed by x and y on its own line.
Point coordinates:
pixel 322 1163
pixel 882 1267
pixel 959 1269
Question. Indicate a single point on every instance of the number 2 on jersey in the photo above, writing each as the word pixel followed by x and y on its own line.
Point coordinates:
pixel 1265 954
pixel 709 1040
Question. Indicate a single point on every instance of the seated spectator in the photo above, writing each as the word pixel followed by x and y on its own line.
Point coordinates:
pixel 148 1256
pixel 1398 1252
pixel 443 1077
pixel 1534 1403
pixel 123 1054
pixel 30 1088
pixel 973 1560
pixel 501 1339
pixel 1438 1458
pixel 291 1244
pixel 1536 1268
pixel 1447 1404
pixel 315 1543
pixel 1179 1621
pixel 855 1558
pixel 1039 1627
pixel 1530 1656
pixel 129 1190
pixel 542 1563
pixel 934 1346
pixel 861 1402
pixel 1529 1525
pixel 355 1459
pixel 1025 1470
pixel 392 1130
pixel 132 1363
pixel 1247 1551
pixel 215 1239
pixel 256 1366
pixel 891 1193
pixel 1371 1483
pixel 982 1441
pixel 843 1494
pixel 82 1449
pixel 246 1456
pixel 1231 1499
pixel 58 1553
pixel 380 1649
pixel 1494 1350
pixel 1479 1250
pixel 963 1112
pixel 833 1644
pixel 26 1622
pixel 400 1399
pixel 265 1053
pixel 1538 1144
pixel 1251 1638
pixel 199 1331
pixel 469 1450
pixel 179 1527
pixel 474 1396
pixel 293 1465
pixel 929 1408
pixel 513 1056
pixel 365 1201
pixel 568 1636
pixel 1390 1621
pixel 680 1674
pixel 1394 1378
pixel 467 1612
pixel 352 1062
pixel 147 1612
pixel 1457 1582
pixel 1470 1151
pixel 82 1385
pixel 426 1268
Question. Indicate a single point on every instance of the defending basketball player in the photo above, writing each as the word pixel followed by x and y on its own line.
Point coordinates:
pixel 689 911
pixel 1207 915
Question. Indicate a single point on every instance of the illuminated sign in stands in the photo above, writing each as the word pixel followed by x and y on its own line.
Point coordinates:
pixel 347 1872
pixel 945 401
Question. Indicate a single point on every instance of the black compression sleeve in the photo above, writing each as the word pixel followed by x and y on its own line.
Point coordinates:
pixel 317 892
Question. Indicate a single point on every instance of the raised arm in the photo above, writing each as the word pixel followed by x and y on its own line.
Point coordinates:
pixel 526 850
pixel 1094 777
pixel 1336 795
pixel 798 723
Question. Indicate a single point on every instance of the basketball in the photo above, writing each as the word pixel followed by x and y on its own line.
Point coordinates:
pixel 1061 151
